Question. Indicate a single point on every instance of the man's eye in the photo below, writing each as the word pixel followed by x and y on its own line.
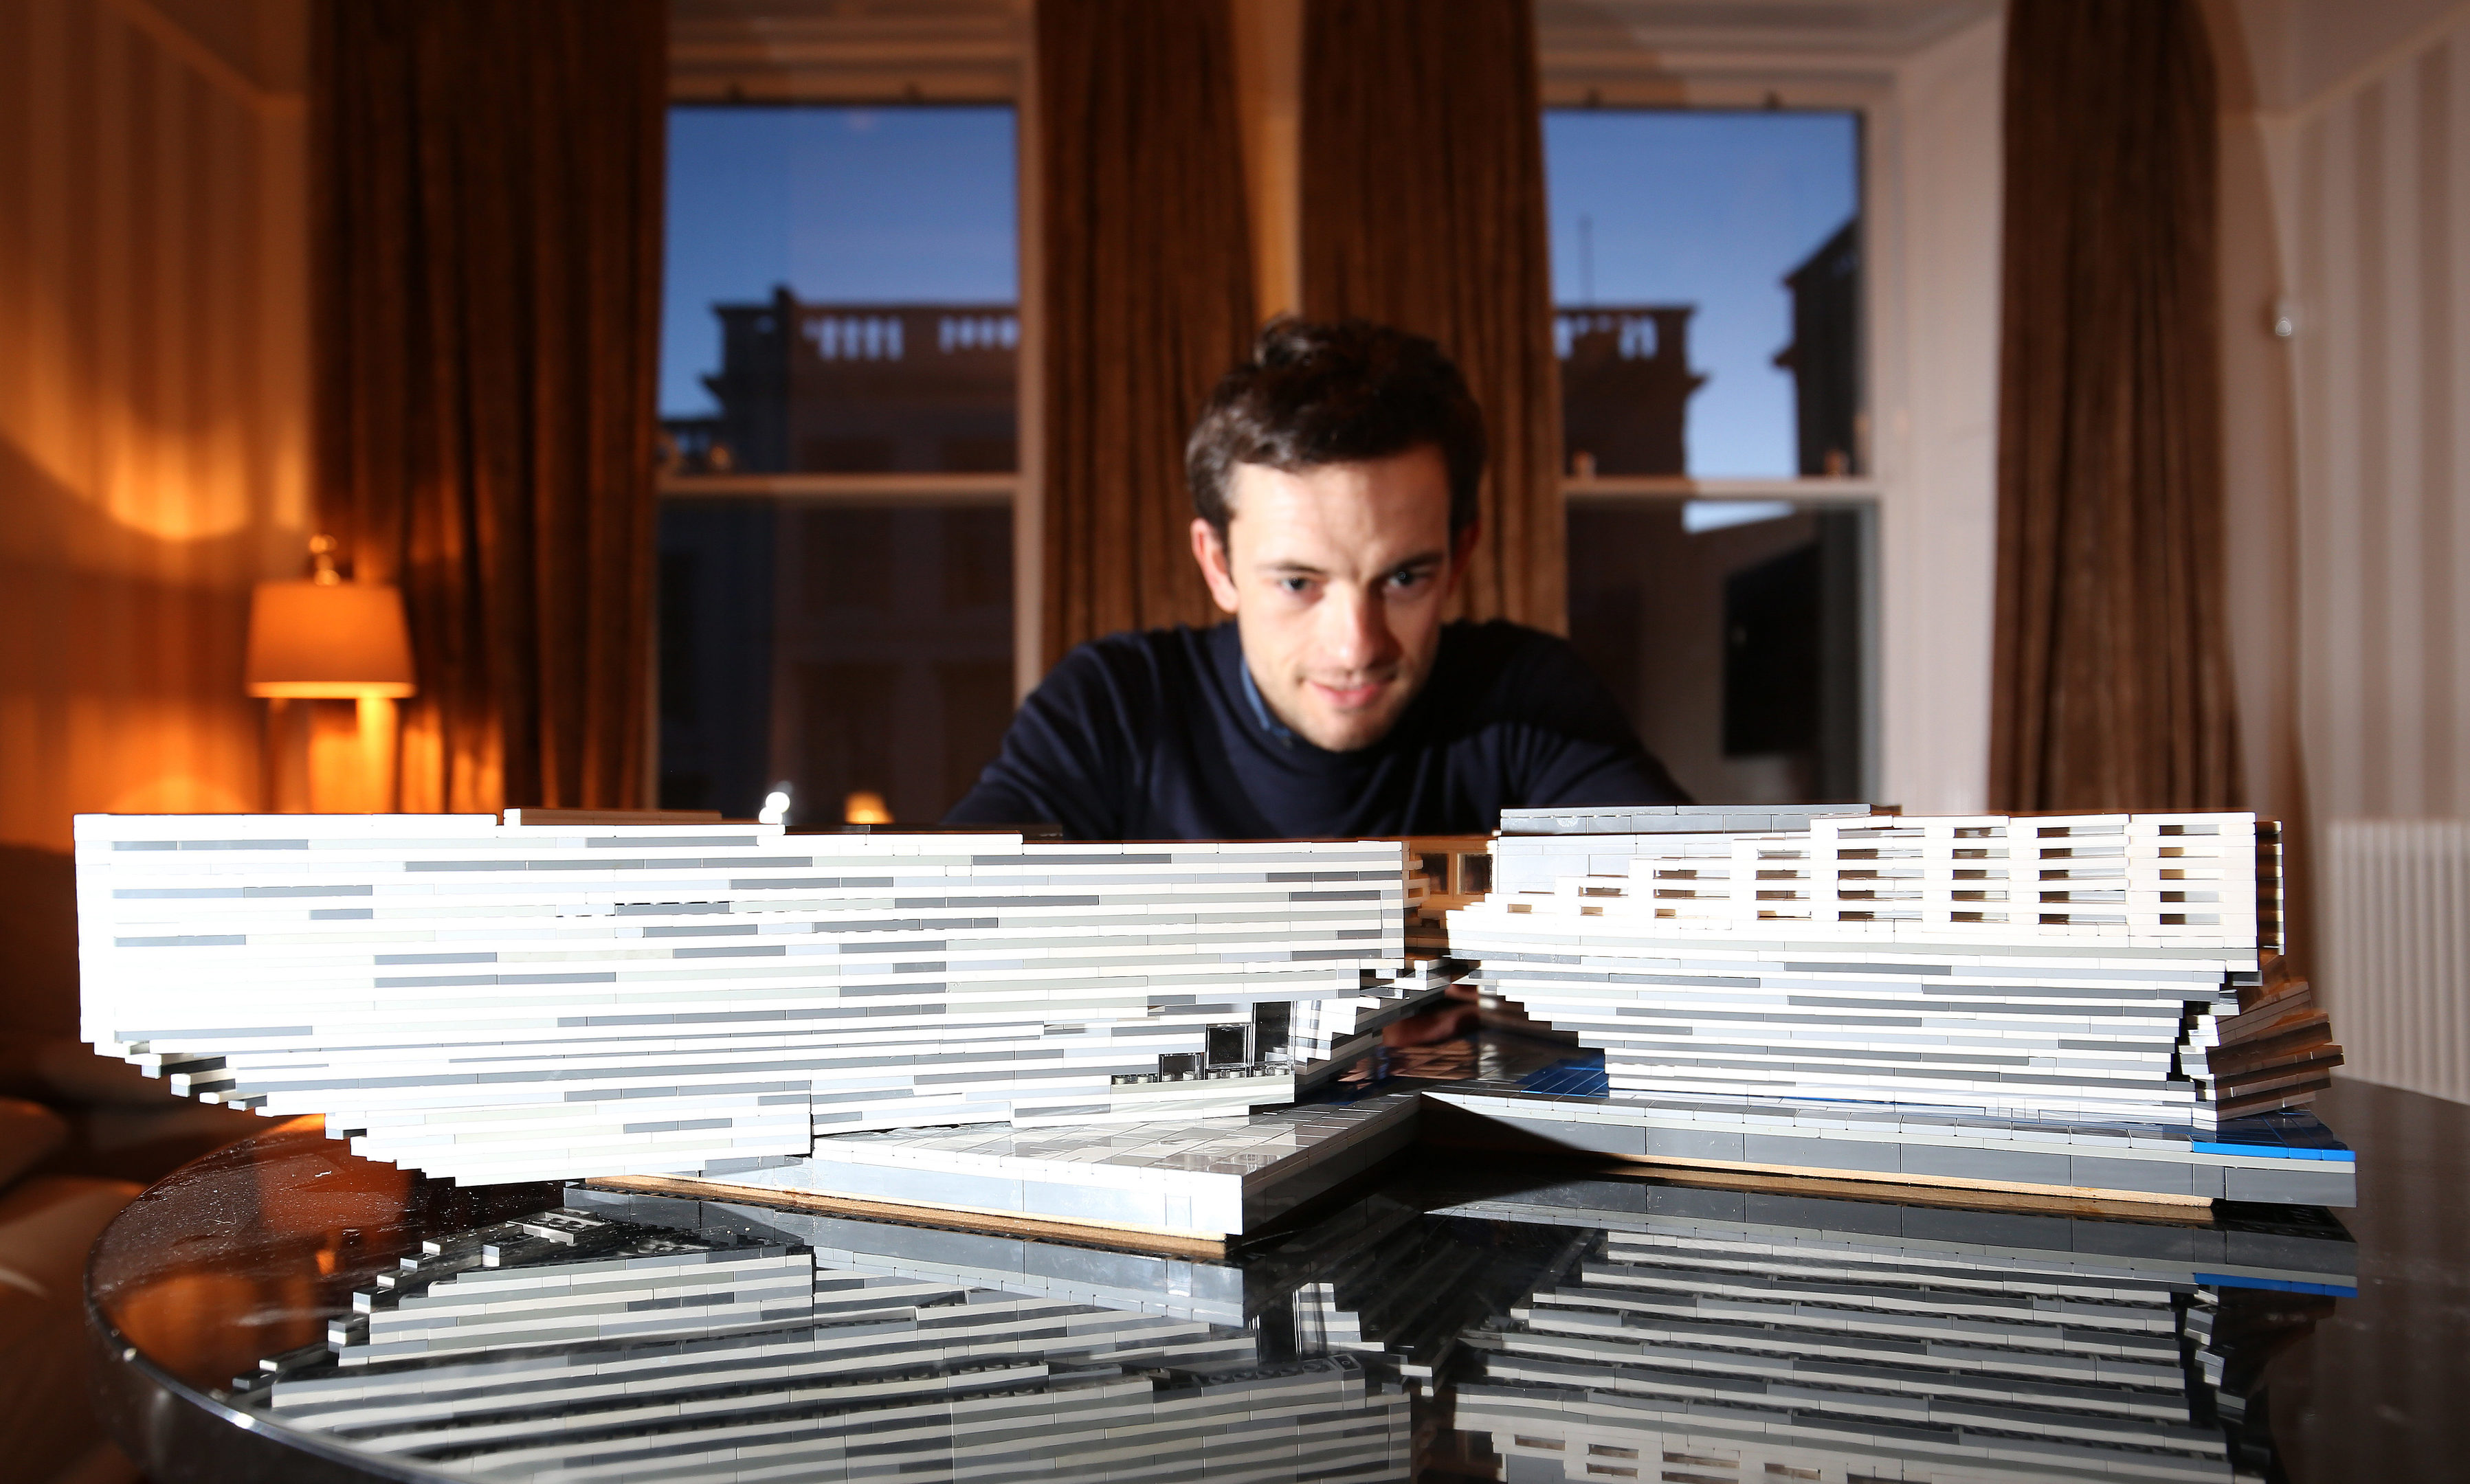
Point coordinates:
pixel 1407 577
pixel 1294 583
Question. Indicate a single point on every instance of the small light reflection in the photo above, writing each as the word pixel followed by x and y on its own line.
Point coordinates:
pixel 1701 516
pixel 776 806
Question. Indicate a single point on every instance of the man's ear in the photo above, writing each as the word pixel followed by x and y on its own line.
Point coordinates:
pixel 1461 553
pixel 1210 552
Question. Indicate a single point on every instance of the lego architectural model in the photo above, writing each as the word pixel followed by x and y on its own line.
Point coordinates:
pixel 1088 1034
pixel 533 1001
pixel 2028 1003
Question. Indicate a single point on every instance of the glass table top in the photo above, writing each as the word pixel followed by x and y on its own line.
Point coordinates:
pixel 282 1309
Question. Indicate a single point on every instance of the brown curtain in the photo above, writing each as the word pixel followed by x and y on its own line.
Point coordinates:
pixel 2111 679
pixel 488 190
pixel 1148 286
pixel 1423 207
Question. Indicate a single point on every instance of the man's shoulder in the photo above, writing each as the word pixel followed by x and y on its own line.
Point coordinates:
pixel 1140 665
pixel 1497 673
pixel 1494 650
pixel 1527 700
pixel 1149 650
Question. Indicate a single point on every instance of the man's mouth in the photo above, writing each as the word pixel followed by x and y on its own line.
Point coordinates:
pixel 1350 695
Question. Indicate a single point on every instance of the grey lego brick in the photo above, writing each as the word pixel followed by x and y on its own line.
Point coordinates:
pixel 2323 1185
pixel 1823 1153
pixel 1694 1143
pixel 1593 1137
pixel 2001 1165
pixel 2158 1176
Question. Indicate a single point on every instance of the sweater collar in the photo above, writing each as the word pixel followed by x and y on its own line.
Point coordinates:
pixel 1261 711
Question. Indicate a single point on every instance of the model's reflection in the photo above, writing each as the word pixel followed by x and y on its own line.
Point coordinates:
pixel 1527 1330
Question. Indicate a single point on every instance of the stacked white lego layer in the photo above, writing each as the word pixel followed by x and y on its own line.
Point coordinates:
pixel 498 1003
pixel 2141 880
pixel 2037 968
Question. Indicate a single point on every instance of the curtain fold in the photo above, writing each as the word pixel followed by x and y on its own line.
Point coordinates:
pixel 488 183
pixel 2112 683
pixel 1423 207
pixel 1147 288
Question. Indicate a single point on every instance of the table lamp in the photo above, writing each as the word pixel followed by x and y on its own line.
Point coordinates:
pixel 322 639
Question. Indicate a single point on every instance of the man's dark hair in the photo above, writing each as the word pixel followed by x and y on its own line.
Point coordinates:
pixel 1339 393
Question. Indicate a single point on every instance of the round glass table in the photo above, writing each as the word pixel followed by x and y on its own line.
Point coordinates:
pixel 283 1310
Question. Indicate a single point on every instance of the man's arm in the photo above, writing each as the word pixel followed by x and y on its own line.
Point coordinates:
pixel 1065 759
pixel 1579 772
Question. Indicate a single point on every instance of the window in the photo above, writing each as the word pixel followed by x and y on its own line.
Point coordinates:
pixel 839 386
pixel 1707 289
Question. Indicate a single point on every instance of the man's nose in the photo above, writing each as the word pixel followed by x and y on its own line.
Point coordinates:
pixel 1355 630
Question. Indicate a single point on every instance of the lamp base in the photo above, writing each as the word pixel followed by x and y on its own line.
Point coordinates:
pixel 329 756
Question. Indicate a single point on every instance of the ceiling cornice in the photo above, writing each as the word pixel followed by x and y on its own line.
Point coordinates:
pixel 848 49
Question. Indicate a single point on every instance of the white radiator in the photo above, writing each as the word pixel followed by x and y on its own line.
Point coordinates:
pixel 2396 974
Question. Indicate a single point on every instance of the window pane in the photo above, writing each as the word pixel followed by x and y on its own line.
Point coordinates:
pixel 831 652
pixel 1731 632
pixel 842 291
pixel 1706 266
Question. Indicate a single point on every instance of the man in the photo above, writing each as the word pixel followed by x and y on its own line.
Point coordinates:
pixel 1333 477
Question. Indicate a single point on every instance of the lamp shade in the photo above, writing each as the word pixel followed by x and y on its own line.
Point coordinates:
pixel 328 640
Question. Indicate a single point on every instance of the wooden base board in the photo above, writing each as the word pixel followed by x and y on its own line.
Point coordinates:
pixel 1799 1180
pixel 965 1219
pixel 1933 1189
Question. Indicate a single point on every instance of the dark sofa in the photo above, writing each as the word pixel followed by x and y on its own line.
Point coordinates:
pixel 80 1136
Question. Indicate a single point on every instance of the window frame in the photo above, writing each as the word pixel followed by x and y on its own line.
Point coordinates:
pixel 1649 84
pixel 980 59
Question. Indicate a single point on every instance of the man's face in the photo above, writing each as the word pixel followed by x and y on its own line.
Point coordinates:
pixel 1337 576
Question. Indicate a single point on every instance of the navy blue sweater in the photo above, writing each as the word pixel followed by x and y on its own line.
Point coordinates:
pixel 1161 737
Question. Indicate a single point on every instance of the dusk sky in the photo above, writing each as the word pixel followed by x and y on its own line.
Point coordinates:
pixel 1712 209
pixel 846 205
pixel 882 205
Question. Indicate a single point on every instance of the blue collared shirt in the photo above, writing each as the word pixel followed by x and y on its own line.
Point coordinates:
pixel 1261 711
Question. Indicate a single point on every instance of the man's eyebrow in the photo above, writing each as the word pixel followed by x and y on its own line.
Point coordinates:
pixel 1304 568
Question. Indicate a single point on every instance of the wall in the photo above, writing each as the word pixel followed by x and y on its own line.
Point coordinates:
pixel 2374 178
pixel 2346 220
pixel 153 394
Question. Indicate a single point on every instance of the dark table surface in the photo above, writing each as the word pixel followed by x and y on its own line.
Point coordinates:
pixel 240 1267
